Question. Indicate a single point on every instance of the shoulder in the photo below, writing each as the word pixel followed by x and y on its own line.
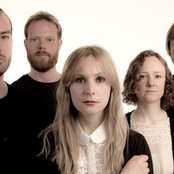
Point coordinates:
pixel 128 115
pixel 21 80
pixel 136 139
pixel 136 144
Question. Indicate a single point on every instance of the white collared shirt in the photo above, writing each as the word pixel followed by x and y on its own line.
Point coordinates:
pixel 91 150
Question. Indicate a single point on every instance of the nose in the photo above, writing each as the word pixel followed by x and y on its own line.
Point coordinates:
pixel 150 82
pixel 41 45
pixel 90 88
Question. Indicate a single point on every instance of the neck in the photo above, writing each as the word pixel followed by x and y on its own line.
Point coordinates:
pixel 149 114
pixel 47 77
pixel 89 124
pixel 3 87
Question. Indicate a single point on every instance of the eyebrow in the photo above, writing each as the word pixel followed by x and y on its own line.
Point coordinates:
pixel 153 72
pixel 100 73
pixel 5 32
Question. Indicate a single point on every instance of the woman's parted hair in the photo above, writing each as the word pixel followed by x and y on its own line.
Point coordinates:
pixel 63 127
pixel 45 16
pixel 132 78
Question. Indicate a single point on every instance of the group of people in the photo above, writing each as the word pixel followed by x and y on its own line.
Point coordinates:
pixel 74 122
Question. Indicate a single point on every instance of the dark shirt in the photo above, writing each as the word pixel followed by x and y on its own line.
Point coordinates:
pixel 17 148
pixel 44 97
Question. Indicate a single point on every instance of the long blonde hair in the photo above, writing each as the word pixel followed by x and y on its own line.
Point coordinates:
pixel 66 151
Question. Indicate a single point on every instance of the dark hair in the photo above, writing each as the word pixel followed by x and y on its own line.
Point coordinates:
pixel 169 37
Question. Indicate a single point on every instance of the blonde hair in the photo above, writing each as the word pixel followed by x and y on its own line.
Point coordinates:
pixel 66 150
pixel 42 15
pixel 132 78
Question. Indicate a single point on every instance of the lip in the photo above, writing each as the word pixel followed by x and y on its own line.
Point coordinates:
pixel 90 102
pixel 41 54
pixel 150 91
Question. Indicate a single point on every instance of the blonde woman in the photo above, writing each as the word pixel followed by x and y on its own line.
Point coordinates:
pixel 90 134
pixel 149 85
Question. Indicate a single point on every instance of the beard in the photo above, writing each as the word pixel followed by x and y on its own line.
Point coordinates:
pixel 39 64
pixel 3 68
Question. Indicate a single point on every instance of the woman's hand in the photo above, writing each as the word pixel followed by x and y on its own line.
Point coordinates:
pixel 136 165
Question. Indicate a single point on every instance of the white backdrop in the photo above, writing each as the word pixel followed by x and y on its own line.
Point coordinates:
pixel 123 27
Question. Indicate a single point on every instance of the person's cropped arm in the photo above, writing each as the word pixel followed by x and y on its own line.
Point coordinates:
pixel 136 165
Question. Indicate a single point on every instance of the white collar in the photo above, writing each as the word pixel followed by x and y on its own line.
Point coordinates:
pixel 97 136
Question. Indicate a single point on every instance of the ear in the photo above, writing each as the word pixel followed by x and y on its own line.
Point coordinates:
pixel 25 43
pixel 60 44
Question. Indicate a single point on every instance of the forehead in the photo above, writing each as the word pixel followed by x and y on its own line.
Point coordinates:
pixel 42 27
pixel 4 23
pixel 152 64
pixel 90 64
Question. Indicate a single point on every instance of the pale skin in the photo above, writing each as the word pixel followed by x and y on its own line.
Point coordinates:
pixel 5 51
pixel 136 165
pixel 90 93
pixel 42 36
pixel 149 91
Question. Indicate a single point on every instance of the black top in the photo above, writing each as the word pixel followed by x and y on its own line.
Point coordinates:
pixel 44 97
pixel 17 138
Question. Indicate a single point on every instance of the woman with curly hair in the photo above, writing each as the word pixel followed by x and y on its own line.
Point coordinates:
pixel 90 133
pixel 149 85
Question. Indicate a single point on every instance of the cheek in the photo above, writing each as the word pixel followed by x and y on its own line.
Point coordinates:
pixel 74 92
pixel 137 88
pixel 105 93
pixel 162 85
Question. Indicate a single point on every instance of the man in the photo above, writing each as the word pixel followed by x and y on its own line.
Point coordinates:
pixel 15 132
pixel 43 41
pixel 170 42
pixel 17 129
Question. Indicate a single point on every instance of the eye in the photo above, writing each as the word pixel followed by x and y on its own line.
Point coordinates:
pixel 34 39
pixel 5 37
pixel 80 80
pixel 157 76
pixel 100 79
pixel 142 76
pixel 49 39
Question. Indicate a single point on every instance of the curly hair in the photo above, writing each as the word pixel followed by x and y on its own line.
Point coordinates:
pixel 132 78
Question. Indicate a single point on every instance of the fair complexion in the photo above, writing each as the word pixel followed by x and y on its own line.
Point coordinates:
pixel 90 94
pixel 149 91
pixel 136 165
pixel 43 46
pixel 172 50
pixel 5 51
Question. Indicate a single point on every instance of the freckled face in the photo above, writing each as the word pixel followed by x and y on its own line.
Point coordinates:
pixel 90 90
pixel 152 76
